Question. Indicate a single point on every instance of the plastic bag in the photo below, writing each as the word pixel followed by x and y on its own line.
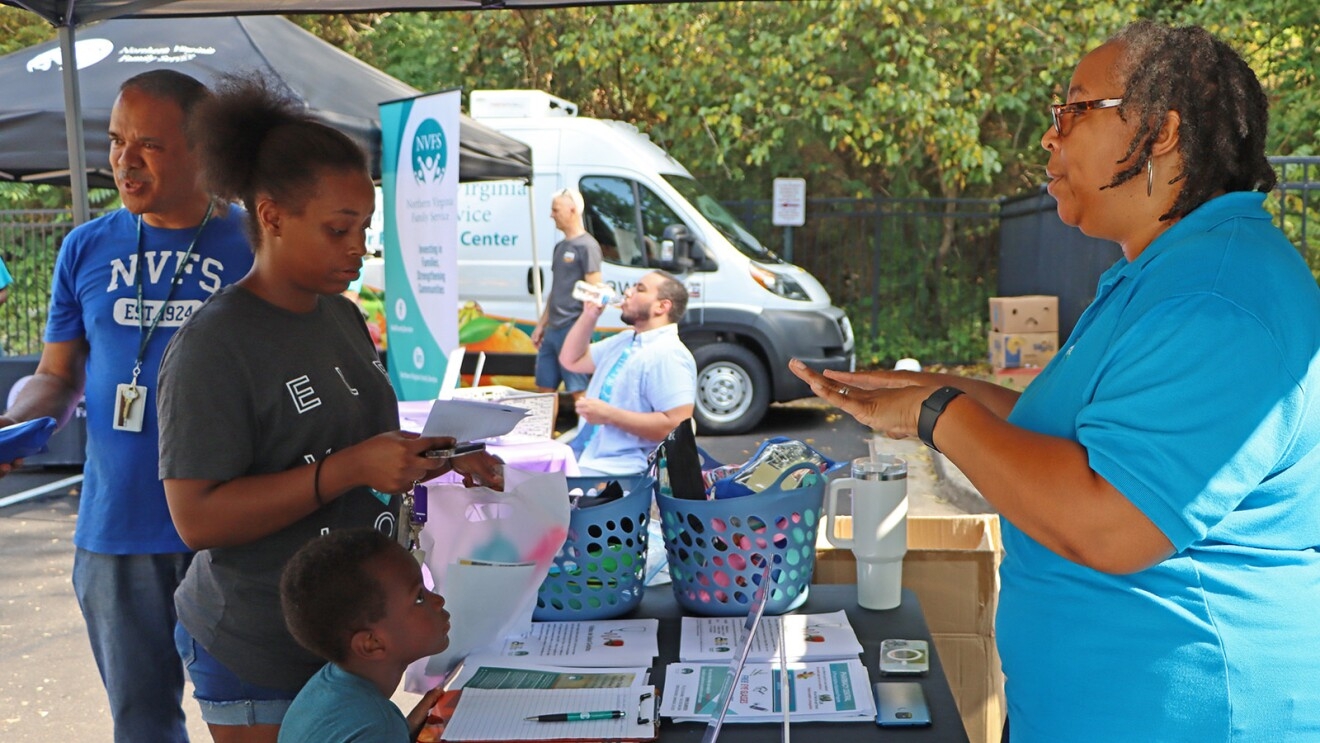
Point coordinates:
pixel 767 466
pixel 487 553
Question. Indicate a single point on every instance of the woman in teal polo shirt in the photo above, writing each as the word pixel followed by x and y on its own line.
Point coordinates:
pixel 1160 480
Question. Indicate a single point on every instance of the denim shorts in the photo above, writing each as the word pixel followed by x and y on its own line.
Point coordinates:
pixel 224 698
pixel 548 371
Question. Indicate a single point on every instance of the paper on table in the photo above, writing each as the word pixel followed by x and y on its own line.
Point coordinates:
pixel 808 637
pixel 498 714
pixel 837 690
pixel 603 643
pixel 508 673
pixel 471 420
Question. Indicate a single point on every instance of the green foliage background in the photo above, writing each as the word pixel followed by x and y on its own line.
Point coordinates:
pixel 863 98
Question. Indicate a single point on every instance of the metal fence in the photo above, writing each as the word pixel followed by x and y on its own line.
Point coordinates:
pixel 914 274
pixel 29 242
pixel 1295 203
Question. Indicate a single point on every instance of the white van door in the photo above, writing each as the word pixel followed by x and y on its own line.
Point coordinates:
pixel 628 219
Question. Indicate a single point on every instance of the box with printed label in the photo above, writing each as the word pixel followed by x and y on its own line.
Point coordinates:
pixel 1034 313
pixel 1013 350
pixel 1015 378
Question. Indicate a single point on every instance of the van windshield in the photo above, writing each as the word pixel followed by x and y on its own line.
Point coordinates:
pixel 726 223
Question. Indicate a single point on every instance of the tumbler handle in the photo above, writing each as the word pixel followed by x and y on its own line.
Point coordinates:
pixel 832 508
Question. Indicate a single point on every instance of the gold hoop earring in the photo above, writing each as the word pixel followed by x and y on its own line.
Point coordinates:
pixel 1150 176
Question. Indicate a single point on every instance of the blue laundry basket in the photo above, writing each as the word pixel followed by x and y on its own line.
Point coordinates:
pixel 716 547
pixel 599 572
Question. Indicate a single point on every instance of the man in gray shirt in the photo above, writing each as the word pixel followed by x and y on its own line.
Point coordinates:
pixel 576 258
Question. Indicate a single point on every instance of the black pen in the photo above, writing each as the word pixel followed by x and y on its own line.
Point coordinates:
pixel 613 714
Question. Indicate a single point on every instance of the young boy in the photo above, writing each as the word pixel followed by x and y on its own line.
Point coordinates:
pixel 356 598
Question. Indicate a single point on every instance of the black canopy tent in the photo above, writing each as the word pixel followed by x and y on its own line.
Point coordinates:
pixel 79 12
pixel 337 87
pixel 68 15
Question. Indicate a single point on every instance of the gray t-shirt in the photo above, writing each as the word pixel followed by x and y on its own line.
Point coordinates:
pixel 572 261
pixel 247 388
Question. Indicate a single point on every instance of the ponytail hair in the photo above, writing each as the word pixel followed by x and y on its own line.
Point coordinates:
pixel 256 138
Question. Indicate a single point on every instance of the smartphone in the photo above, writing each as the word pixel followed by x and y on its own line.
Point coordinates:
pixel 900 704
pixel 904 657
pixel 455 451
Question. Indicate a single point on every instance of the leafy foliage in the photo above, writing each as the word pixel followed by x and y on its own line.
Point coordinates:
pixel 861 97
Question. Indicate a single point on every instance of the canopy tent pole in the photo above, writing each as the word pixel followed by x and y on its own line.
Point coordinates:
pixel 536 263
pixel 73 126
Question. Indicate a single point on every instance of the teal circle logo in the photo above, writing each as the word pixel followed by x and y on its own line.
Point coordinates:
pixel 430 150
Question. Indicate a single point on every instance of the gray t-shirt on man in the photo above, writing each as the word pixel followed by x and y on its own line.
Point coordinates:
pixel 572 261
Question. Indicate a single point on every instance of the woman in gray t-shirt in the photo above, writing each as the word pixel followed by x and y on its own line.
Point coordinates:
pixel 278 422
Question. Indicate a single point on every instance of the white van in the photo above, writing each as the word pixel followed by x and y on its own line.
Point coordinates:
pixel 749 311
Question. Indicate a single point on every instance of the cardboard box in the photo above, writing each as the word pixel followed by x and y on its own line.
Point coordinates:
pixel 1015 350
pixel 952 565
pixel 1035 313
pixel 1015 379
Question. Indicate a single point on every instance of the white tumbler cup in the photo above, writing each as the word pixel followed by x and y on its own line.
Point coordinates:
pixel 878 489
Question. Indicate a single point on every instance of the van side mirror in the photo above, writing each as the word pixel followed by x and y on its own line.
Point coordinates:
pixel 679 251
pixel 699 260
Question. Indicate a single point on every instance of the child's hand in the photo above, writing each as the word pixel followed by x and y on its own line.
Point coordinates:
pixel 417 718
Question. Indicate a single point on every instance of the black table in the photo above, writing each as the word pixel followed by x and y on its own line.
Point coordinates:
pixel 905 622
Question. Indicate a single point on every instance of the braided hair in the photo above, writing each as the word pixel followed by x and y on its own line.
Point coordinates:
pixel 1223 109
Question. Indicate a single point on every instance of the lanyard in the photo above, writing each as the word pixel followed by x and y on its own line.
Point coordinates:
pixel 588 434
pixel 144 333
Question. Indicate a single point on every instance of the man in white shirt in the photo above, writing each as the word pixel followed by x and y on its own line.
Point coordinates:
pixel 644 380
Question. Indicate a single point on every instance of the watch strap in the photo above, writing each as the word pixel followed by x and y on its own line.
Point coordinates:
pixel 931 409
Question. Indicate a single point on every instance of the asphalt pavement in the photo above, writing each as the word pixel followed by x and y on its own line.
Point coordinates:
pixel 49 687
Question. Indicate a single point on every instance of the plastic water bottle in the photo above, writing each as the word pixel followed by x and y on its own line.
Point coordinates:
pixel 601 294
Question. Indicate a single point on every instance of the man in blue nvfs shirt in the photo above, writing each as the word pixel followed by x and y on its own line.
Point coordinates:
pixel 123 285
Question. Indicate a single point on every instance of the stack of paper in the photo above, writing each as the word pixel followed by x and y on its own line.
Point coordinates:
pixel 557 667
pixel 826 679
pixel 504 715
pixel 807 637
pixel 604 643
pixel 838 691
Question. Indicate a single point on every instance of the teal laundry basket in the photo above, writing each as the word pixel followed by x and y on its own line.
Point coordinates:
pixel 599 572
pixel 716 548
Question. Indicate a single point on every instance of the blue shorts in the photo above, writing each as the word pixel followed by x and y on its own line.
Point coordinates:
pixel 224 698
pixel 548 371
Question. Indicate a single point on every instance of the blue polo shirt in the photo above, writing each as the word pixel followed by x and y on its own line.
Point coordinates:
pixel 1193 382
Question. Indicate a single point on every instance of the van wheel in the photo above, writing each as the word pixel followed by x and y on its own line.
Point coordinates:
pixel 733 389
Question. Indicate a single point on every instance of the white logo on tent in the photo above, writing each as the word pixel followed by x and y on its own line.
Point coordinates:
pixel 87 51
pixel 163 54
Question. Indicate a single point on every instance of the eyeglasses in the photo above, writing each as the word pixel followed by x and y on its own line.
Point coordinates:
pixel 1057 110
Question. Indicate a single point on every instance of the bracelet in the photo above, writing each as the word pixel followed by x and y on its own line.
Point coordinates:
pixel 931 409
pixel 316 481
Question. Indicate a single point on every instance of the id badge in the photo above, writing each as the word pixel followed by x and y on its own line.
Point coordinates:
pixel 130 406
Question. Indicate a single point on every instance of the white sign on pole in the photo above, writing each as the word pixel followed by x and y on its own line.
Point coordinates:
pixel 790 202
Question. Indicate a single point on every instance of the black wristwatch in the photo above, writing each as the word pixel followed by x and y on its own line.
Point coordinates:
pixel 930 413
